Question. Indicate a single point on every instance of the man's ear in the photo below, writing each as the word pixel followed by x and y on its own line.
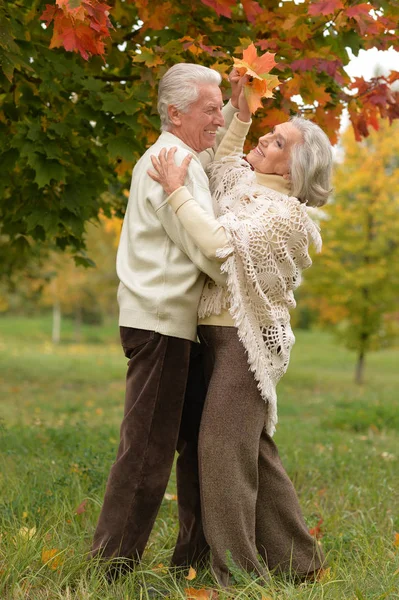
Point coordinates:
pixel 174 115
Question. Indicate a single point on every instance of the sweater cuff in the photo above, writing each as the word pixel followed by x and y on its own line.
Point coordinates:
pixel 179 197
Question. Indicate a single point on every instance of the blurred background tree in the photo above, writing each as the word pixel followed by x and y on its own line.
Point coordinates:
pixel 354 284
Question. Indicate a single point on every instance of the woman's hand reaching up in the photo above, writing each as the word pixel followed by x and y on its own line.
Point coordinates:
pixel 167 173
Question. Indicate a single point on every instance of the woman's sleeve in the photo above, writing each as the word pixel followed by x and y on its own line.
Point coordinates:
pixel 206 231
pixel 233 141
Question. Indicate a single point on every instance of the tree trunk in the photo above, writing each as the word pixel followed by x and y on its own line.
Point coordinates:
pixel 360 368
pixel 56 333
pixel 78 324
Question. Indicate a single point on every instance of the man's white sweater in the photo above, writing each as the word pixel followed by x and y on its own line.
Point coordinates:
pixel 161 270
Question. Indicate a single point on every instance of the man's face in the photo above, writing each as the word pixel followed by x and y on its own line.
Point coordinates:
pixel 198 126
pixel 273 152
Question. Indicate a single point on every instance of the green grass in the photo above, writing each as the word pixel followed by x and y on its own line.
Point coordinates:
pixel 61 408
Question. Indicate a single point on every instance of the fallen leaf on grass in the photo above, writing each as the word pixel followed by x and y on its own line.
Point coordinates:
pixel 50 558
pixel 170 497
pixel 192 574
pixel 26 533
pixel 202 594
pixel 81 508
pixel 161 567
pixel 316 530
pixel 396 540
pixel 324 575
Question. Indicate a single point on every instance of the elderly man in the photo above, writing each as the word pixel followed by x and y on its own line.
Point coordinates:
pixel 162 274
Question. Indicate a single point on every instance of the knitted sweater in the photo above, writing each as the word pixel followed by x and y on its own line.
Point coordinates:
pixel 161 269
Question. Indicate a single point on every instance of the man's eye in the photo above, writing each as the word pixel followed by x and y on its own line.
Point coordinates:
pixel 279 144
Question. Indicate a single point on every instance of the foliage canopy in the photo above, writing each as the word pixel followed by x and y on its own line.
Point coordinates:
pixel 71 128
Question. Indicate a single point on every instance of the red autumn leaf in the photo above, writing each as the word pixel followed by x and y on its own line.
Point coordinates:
pixel 325 7
pixel 359 9
pixel 251 9
pixel 79 27
pixel 81 508
pixel 316 530
pixel 221 7
pixel 361 14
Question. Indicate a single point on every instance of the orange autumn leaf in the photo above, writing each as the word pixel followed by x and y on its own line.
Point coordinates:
pixel 192 574
pixel 396 540
pixel 258 68
pixel 202 594
pixel 51 558
pixel 254 65
pixel 316 530
pixel 79 28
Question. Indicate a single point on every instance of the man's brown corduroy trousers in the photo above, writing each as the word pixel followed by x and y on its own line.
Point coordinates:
pixel 250 508
pixel 164 400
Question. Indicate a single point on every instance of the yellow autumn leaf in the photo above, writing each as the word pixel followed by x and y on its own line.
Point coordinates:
pixel 170 496
pixel 26 533
pixel 51 558
pixel 192 574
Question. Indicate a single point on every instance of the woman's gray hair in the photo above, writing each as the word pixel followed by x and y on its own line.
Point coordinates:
pixel 179 86
pixel 311 164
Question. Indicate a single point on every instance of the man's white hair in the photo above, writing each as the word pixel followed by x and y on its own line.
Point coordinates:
pixel 179 86
pixel 311 164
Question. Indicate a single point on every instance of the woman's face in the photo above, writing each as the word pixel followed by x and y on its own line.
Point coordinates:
pixel 272 154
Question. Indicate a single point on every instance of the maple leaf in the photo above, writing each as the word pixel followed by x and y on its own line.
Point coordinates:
pixel 221 7
pixel 79 26
pixel 325 7
pixel 251 9
pixel 254 65
pixel 257 67
pixel 361 14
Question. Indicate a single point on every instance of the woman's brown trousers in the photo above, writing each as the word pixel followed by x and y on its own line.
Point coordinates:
pixel 164 400
pixel 249 504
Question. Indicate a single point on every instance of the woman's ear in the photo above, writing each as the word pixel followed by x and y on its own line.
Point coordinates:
pixel 174 115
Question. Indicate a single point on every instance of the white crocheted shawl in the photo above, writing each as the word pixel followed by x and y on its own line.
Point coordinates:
pixel 269 235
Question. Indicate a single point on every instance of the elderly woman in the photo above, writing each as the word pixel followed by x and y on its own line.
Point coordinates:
pixel 261 238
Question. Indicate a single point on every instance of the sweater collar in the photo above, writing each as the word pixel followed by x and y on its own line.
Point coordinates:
pixel 274 182
pixel 170 138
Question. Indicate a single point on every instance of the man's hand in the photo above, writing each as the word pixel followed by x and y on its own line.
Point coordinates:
pixel 167 173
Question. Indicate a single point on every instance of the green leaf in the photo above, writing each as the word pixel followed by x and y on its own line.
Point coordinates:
pixel 46 169
pixel 122 146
